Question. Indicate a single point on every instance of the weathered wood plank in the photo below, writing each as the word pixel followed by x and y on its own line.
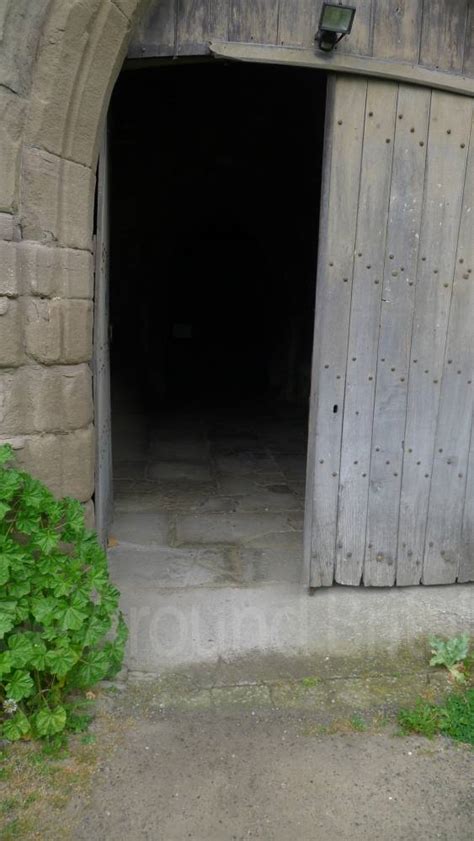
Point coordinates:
pixel 192 30
pixel 449 129
pixel 298 22
pixel 398 300
pixel 373 206
pixel 468 63
pixel 359 42
pixel 254 20
pixel 101 362
pixel 443 544
pixel 345 116
pixel 397 29
pixel 367 67
pixel 219 19
pixel 155 32
pixel 443 34
pixel 466 569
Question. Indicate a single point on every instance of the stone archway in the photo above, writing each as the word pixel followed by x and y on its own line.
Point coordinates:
pixel 59 66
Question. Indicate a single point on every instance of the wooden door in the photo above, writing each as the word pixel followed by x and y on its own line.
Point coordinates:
pixel 103 482
pixel 389 477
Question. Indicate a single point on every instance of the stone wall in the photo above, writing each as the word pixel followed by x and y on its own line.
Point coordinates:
pixel 58 63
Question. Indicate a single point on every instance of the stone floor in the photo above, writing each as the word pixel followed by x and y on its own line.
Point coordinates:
pixel 208 499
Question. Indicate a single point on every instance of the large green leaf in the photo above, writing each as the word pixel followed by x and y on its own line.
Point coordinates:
pixel 20 588
pixel 60 660
pixel 47 540
pixel 21 649
pixel 4 570
pixel 38 658
pixel 20 686
pixel 44 609
pixel 49 722
pixel 95 668
pixel 71 619
pixel 6 663
pixel 6 453
pixel 4 509
pixel 96 629
pixel 16 727
pixel 6 624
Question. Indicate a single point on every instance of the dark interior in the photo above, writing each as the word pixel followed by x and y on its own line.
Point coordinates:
pixel 215 174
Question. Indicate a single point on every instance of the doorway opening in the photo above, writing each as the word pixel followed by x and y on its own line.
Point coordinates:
pixel 215 174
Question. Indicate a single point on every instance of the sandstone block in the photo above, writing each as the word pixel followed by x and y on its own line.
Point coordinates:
pixel 61 55
pixel 65 463
pixel 9 269
pixel 8 227
pixel 131 8
pixel 107 47
pixel 79 58
pixel 57 199
pixel 12 114
pixel 58 330
pixel 38 399
pixel 11 333
pixel 55 272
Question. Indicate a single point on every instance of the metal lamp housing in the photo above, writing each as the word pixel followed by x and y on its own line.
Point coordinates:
pixel 335 22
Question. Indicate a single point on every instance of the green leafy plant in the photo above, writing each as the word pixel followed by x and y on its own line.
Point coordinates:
pixel 60 628
pixel 451 654
pixel 453 718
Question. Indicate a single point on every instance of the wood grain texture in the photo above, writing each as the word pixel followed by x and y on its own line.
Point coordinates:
pixel 405 34
pixel 298 22
pixel 333 296
pixel 155 32
pixel 253 20
pixel 192 30
pixel 468 63
pixel 101 361
pixel 466 568
pixel 393 359
pixel 373 206
pixel 444 552
pixel 355 65
pixel 397 29
pixel 450 121
pixel 359 42
pixel 218 19
pixel 443 34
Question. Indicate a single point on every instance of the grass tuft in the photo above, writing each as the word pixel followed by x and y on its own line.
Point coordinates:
pixel 453 718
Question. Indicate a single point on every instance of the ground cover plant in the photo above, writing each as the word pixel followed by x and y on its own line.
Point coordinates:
pixel 454 717
pixel 60 628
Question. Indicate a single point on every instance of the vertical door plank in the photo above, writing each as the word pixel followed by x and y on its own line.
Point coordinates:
pixel 254 20
pixel 466 569
pixel 219 19
pixel 397 29
pixel 468 64
pixel 298 22
pixel 364 329
pixel 398 299
pixel 192 30
pixel 101 366
pixel 359 42
pixel 443 34
pixel 342 159
pixel 450 120
pixel 155 32
pixel 443 552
